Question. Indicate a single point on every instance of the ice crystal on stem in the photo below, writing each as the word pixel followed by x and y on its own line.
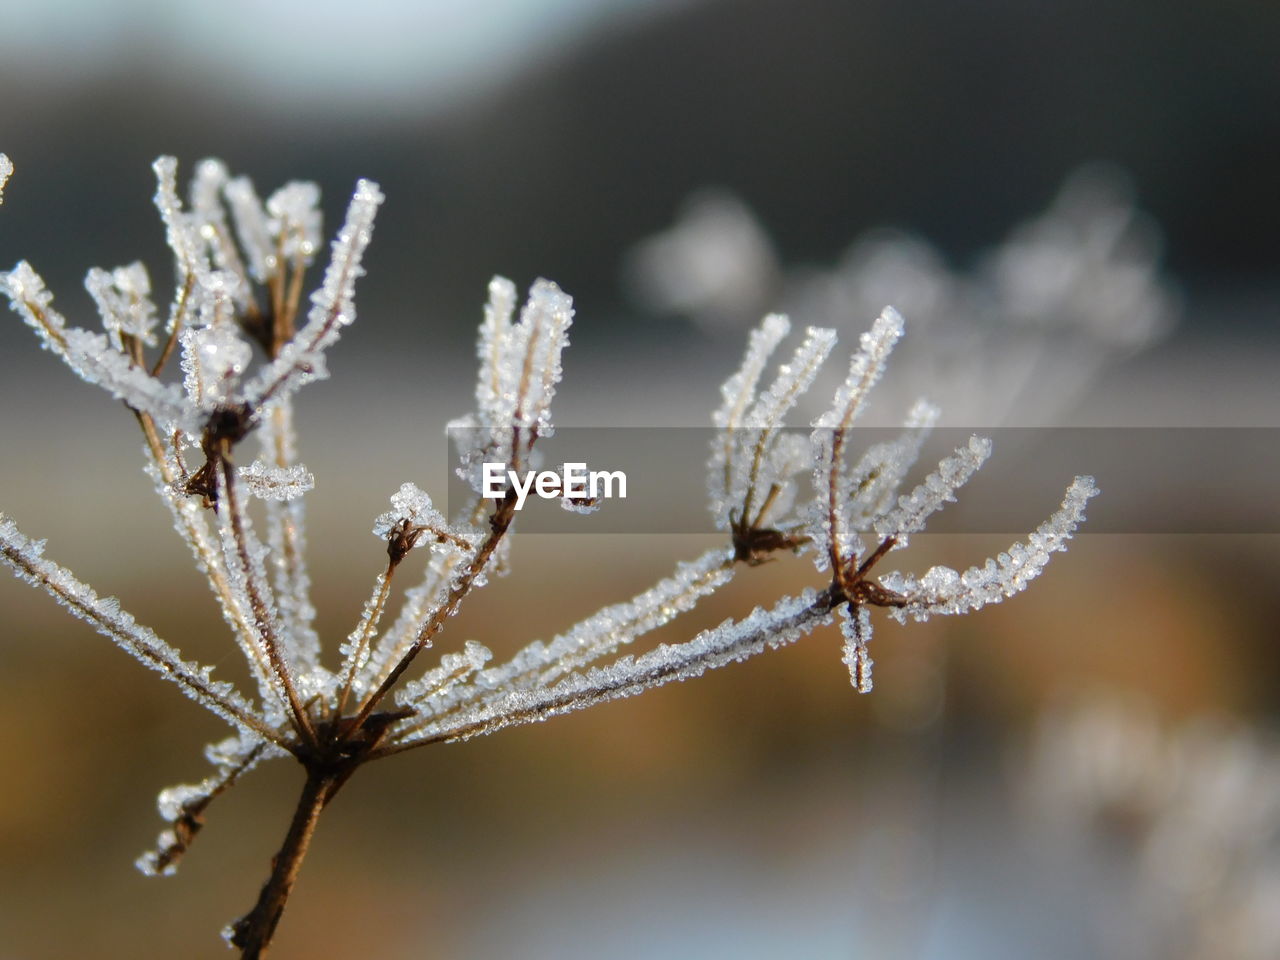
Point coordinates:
pixel 243 355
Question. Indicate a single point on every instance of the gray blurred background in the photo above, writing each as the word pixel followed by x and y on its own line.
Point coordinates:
pixel 763 810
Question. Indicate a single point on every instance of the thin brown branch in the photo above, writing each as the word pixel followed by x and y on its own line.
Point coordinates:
pixel 179 315
pixel 575 699
pixel 253 932
pixel 89 609
pixel 261 615
pixel 190 819
pixel 368 629
pixel 288 323
pixel 499 523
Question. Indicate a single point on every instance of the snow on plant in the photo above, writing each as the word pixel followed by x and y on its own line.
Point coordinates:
pixel 245 346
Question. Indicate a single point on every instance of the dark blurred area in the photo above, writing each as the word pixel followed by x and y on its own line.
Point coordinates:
pixel 953 120
pixel 764 810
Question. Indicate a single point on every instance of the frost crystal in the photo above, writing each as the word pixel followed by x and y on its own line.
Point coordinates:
pixel 90 355
pixel 728 643
pixel 856 627
pixel 938 488
pixel 412 506
pixel 332 306
pixel 752 466
pixel 270 482
pixel 6 171
pixel 123 297
pixel 295 220
pixel 252 229
pixel 942 590
pixel 519 370
pixel 26 558
pixel 831 529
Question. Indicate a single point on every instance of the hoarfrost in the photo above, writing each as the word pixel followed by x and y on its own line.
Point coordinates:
pixel 26 558
pixel 855 625
pixel 252 229
pixel 270 482
pixel 123 298
pixel 938 488
pixel 944 591
pixel 295 220
pixel 264 589
pixel 90 355
pixel 301 360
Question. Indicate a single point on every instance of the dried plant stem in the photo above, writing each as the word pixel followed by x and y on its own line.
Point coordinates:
pixel 252 933
pixel 300 718
pixel 499 524
pixel 175 329
pixel 370 627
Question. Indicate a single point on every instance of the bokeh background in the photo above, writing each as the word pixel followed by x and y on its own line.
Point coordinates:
pixel 1082 771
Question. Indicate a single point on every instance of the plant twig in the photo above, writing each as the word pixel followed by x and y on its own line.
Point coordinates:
pixel 252 933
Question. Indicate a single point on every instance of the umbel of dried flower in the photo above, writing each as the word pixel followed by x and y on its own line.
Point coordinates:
pixel 239 265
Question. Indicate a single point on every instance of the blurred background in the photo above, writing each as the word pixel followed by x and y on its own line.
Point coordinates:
pixel 1089 769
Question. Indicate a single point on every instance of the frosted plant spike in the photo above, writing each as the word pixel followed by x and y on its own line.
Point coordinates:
pixel 938 488
pixel 944 591
pixel 295 220
pixel 184 240
pixel 411 522
pixel 751 477
pixel 266 481
pixel 830 529
pixel 301 360
pixel 26 558
pixel 728 643
pixel 492 348
pixel 191 521
pixel 541 664
pixel 90 355
pixel 531 368
pixel 251 227
pixel 519 370
pixel 6 171
pixel 865 369
pixel 244 559
pixel 182 807
pixel 123 298
pixel 287 540
pixel 412 508
pixel 739 393
pixel 855 625
pixel 454 668
pixel 874 480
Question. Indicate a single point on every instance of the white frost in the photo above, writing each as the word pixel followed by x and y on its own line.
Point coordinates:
pixel 266 481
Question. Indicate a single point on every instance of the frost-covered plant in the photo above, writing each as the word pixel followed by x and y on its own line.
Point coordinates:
pixel 1035 319
pixel 240 265
pixel 1196 806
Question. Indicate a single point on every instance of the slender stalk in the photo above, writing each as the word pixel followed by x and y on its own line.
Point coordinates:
pixel 179 315
pixel 252 933
pixel 369 627
pixel 301 720
pixel 500 522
